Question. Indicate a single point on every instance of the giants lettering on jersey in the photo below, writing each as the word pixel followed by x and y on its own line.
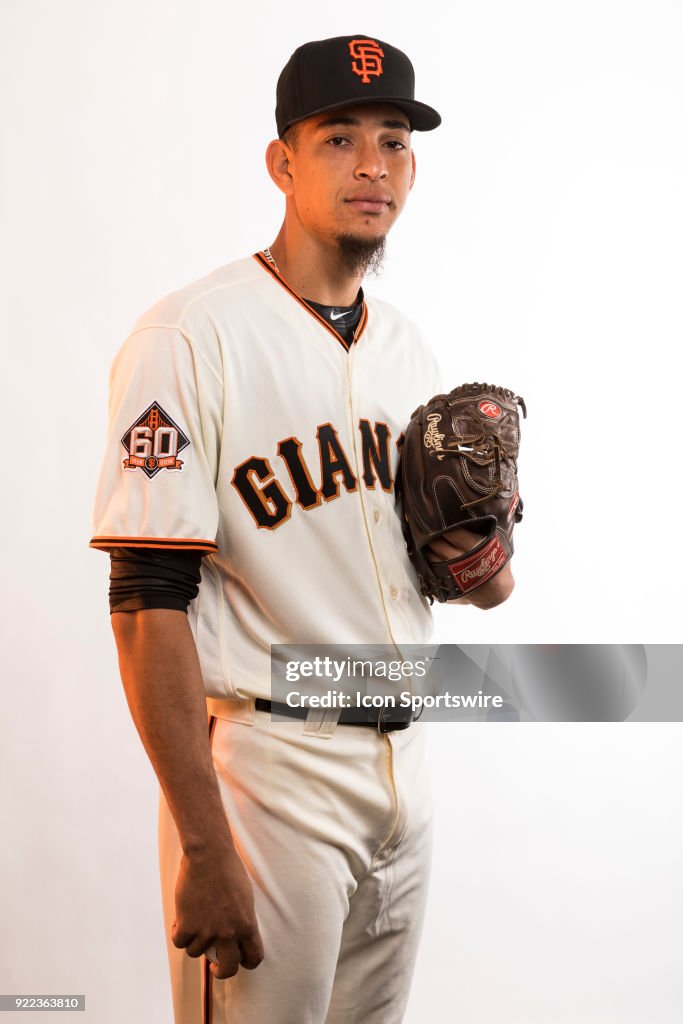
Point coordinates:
pixel 270 498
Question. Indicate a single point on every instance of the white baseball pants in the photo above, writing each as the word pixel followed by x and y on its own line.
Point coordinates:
pixel 334 828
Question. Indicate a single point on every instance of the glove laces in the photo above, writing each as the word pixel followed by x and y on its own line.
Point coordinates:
pixel 476 447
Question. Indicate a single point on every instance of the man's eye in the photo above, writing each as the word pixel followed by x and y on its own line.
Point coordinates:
pixel 395 144
pixel 337 140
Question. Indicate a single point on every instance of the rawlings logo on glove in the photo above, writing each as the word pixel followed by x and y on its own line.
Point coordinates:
pixel 433 439
pixel 459 469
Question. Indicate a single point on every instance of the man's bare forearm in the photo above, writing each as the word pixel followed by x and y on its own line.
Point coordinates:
pixel 165 693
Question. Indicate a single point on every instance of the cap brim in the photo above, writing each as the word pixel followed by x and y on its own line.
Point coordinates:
pixel 422 117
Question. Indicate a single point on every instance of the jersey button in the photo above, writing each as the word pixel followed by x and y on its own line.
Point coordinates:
pixel 394 592
pixel 376 516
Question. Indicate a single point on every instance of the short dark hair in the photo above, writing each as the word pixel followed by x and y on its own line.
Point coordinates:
pixel 291 135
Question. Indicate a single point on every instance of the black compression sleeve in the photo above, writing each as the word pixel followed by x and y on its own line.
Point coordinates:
pixel 150 578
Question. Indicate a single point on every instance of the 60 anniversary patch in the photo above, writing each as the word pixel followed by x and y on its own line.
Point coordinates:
pixel 153 442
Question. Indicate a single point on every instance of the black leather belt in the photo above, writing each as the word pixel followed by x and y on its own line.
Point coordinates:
pixel 386 719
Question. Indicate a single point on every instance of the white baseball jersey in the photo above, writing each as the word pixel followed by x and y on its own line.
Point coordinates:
pixel 240 425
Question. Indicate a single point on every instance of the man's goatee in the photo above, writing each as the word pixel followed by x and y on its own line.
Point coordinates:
pixel 361 256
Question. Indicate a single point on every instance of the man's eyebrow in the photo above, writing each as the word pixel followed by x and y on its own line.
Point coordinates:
pixel 336 119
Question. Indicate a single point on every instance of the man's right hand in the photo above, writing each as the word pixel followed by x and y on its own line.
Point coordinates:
pixel 214 901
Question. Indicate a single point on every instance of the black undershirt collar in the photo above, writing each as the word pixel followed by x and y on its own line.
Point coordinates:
pixel 343 319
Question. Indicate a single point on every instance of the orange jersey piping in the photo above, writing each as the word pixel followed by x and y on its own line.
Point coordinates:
pixel 260 258
pixel 169 543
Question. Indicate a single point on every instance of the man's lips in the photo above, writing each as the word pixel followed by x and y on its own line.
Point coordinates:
pixel 369 203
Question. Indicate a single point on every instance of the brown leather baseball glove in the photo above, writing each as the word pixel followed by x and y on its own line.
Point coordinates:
pixel 458 468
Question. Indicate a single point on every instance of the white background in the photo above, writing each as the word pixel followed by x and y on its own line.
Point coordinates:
pixel 540 250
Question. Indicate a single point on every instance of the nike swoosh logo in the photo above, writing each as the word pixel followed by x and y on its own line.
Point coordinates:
pixel 340 315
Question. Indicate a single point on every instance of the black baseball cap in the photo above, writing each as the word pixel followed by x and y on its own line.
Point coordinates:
pixel 345 70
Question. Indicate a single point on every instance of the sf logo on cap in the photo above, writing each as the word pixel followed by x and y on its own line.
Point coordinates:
pixel 367 60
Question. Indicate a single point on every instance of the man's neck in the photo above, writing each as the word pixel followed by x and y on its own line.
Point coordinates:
pixel 313 268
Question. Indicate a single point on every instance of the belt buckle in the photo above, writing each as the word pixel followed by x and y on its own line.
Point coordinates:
pixel 385 723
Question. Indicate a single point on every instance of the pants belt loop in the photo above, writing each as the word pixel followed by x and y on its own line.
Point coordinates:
pixel 233 709
pixel 321 722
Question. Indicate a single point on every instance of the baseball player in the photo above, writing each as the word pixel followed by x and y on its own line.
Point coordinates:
pixel 246 498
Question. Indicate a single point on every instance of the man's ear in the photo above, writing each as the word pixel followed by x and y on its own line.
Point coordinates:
pixel 278 155
pixel 414 164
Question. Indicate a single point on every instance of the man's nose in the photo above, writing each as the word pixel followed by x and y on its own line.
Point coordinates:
pixel 371 163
